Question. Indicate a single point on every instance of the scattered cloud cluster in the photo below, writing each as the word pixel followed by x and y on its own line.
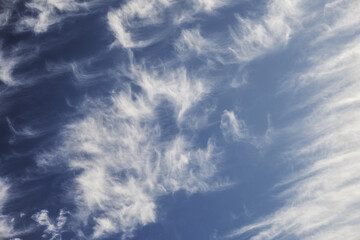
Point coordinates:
pixel 125 163
pixel 132 147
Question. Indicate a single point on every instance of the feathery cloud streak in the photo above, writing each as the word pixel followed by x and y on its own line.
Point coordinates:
pixel 125 166
pixel 256 37
pixel 6 229
pixel 322 201
pixel 52 229
pixel 130 19
pixel 48 13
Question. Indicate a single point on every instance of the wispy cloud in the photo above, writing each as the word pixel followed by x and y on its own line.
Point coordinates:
pixel 134 15
pixel 129 21
pixel 209 5
pixel 53 229
pixel 11 58
pixel 22 133
pixel 338 18
pixel 136 145
pixel 6 10
pixel 6 228
pixel 321 199
pixel 255 37
pixel 192 44
pixel 126 166
pixel 177 86
pixel 48 13
pixel 8 62
pixel 232 127
pixel 191 40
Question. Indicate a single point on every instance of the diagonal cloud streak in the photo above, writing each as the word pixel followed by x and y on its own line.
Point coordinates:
pixel 322 200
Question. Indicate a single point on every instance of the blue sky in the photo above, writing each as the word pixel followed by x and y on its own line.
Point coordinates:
pixel 179 119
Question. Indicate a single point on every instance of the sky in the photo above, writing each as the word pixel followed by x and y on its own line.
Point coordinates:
pixel 179 119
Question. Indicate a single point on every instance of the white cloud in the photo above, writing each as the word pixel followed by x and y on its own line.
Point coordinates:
pixel 53 229
pixel 3 193
pixel 191 40
pixel 128 22
pixel 46 13
pixel 232 127
pixel 7 65
pixel 254 38
pixel 339 18
pixel 10 58
pixel 126 166
pixel 6 228
pixel 22 132
pixel 133 15
pixel 192 44
pixel 6 10
pixel 322 200
pixel 176 86
pixel 209 5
